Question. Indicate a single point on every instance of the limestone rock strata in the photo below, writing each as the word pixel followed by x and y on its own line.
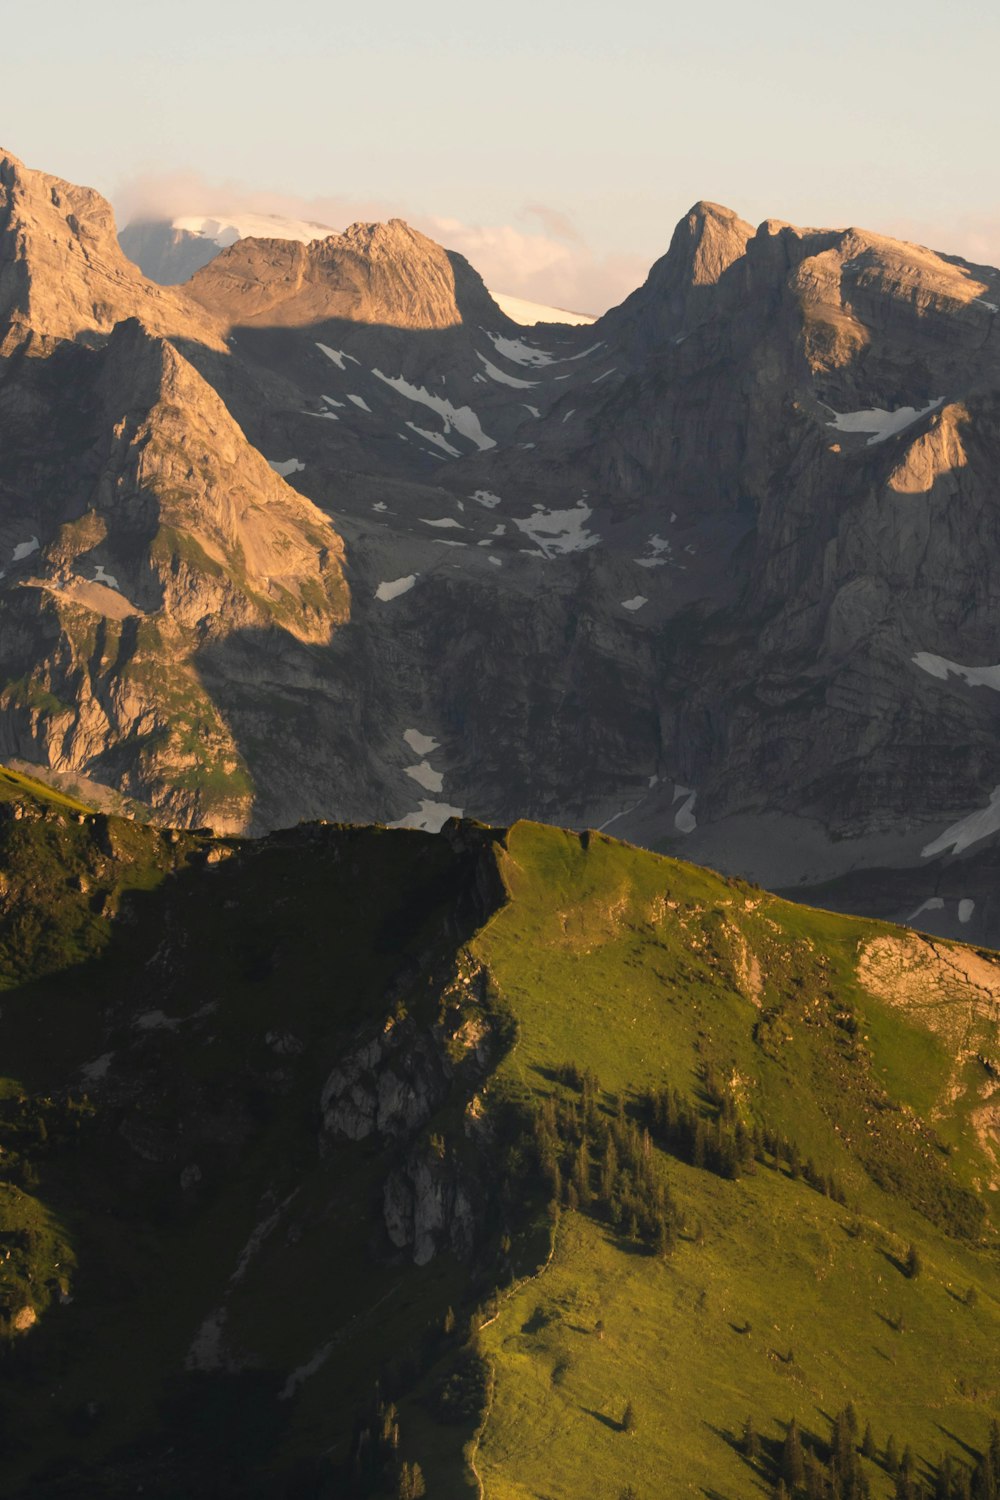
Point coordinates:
pixel 154 535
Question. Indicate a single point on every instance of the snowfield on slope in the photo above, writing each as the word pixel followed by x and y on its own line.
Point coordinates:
pixel 881 424
pixel 556 532
pixel 941 667
pixel 461 419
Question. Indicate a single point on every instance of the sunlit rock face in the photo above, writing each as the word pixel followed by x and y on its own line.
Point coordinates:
pixel 673 573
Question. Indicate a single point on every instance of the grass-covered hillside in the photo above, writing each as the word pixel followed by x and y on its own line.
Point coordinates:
pixel 515 1164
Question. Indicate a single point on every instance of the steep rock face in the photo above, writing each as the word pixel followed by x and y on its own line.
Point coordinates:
pixel 390 1084
pixel 155 533
pixel 62 271
pixel 685 282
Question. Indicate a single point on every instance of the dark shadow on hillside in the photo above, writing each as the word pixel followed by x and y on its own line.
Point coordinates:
pixel 894 1261
pixel 599 1416
pixel 972 1453
pixel 220 1004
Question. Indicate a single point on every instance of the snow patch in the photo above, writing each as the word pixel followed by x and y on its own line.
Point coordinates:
pixel 106 578
pixel 430 817
pixel 247 225
pixel 25 549
pixel 527 313
pixel 684 818
pixel 387 591
pixel 978 825
pixel 965 909
pixel 486 499
pixel 940 666
pixel 436 439
pixel 598 378
pixel 635 603
pixel 444 521
pixel 338 356
pixel 425 775
pixel 534 411
pixel 420 744
pixel 933 903
pixel 570 413
pixel 881 424
pixel 557 532
pixel 502 378
pixel 360 401
pixel 496 562
pixel 460 419
pixel 520 353
pixel 285 466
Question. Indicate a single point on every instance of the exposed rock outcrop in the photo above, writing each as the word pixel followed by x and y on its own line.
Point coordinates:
pixel 384 274
pixel 62 271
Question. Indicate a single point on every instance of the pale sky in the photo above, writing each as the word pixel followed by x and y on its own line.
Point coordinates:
pixel 555 142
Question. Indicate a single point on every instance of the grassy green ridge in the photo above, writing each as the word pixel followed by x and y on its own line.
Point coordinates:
pixel 172 1007
pixel 624 964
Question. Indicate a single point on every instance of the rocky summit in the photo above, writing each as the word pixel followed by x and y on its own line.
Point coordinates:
pixel 325 534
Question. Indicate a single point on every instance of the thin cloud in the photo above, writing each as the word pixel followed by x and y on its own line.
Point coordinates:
pixel 540 267
pixel 553 265
pixel 554 222
pixel 173 194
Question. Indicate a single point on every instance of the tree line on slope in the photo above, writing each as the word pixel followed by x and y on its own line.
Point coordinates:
pixel 806 1468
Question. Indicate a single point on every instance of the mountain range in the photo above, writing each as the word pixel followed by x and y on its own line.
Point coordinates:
pixel 326 534
pixel 363 1136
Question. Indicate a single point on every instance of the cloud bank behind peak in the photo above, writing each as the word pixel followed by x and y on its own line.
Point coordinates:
pixel 542 258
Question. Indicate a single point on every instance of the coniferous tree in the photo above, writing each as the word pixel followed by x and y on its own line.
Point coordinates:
pixel 868 1442
pixel 628 1422
pixel 913 1263
pixel 944 1479
pixel 985 1486
pixel 410 1484
pixel 891 1457
pixel 750 1442
pixel 792 1466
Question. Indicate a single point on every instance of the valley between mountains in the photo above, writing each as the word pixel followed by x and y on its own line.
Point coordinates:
pixel 517 1162
pixel 323 533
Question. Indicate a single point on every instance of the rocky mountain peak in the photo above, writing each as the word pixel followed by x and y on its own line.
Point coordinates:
pixel 707 242
pixel 62 272
pixel 387 274
pixel 705 245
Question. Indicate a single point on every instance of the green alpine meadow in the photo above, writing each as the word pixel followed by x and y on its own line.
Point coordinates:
pixel 506 1163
